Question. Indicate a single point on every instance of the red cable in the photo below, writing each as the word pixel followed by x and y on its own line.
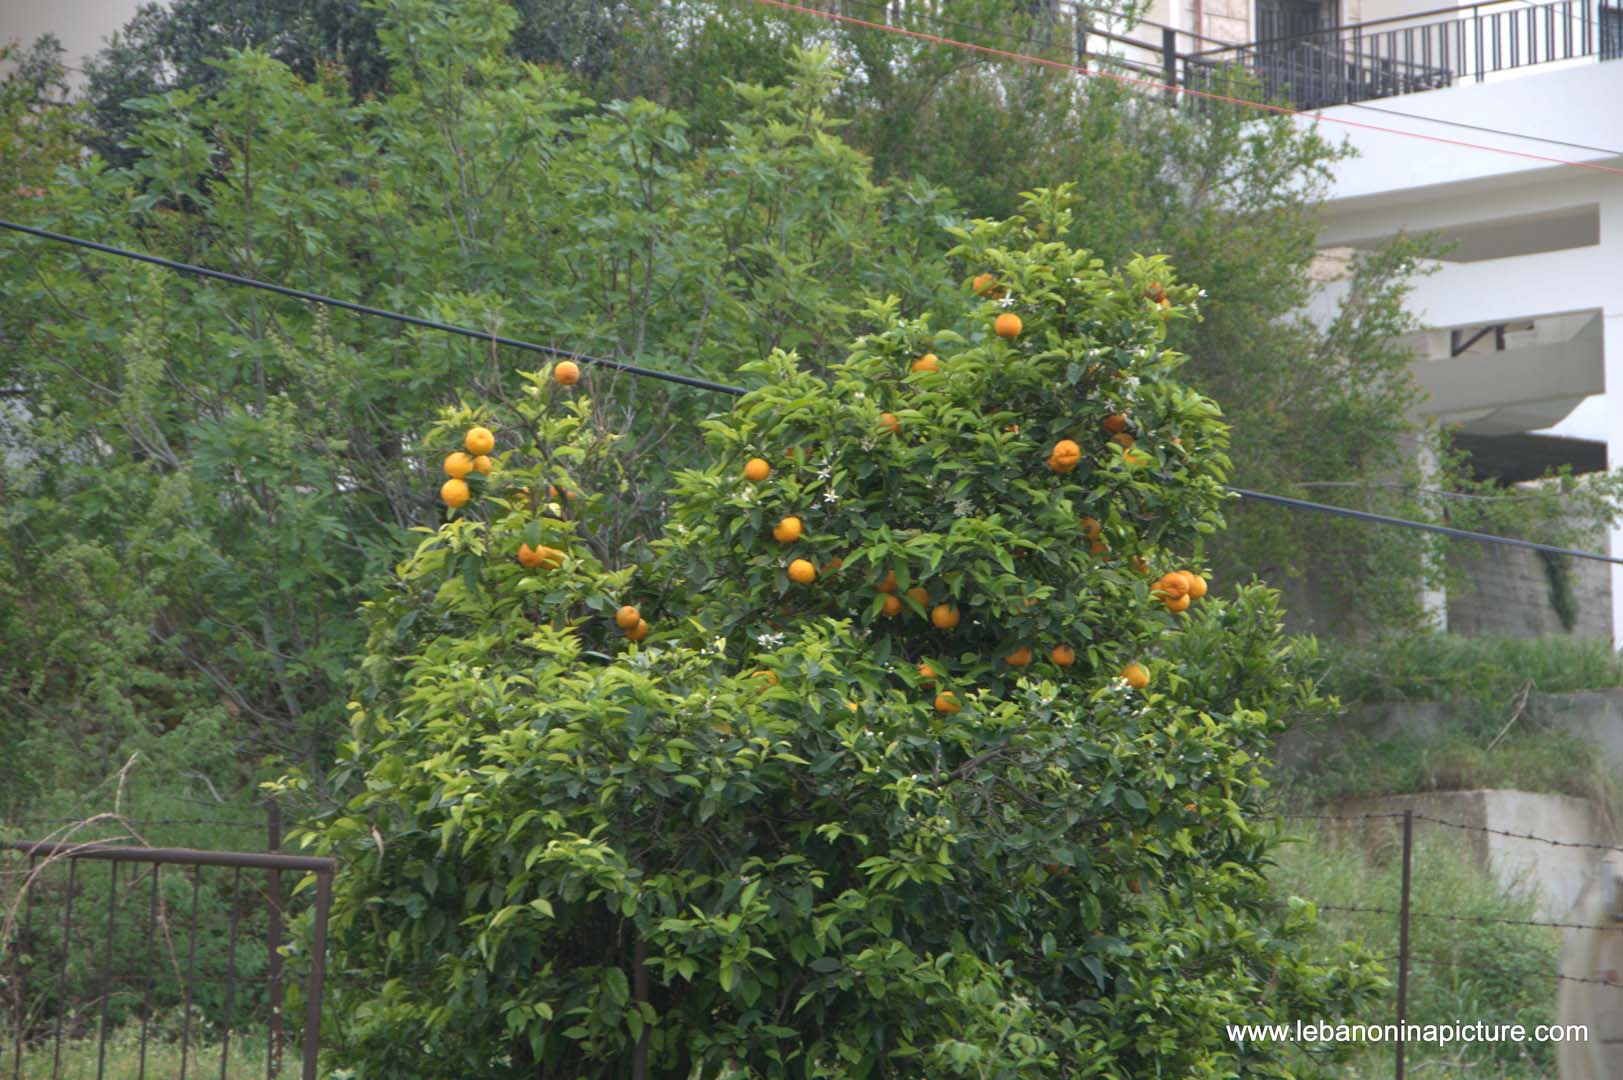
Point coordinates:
pixel 1025 58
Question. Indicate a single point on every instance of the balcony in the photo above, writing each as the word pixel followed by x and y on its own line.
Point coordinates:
pixel 1429 50
pixel 1343 65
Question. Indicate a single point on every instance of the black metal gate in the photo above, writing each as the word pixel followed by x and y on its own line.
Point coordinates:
pixel 89 952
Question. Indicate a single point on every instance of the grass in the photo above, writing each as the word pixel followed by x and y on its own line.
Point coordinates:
pixel 1485 671
pixel 1462 972
pixel 1484 683
pixel 123 1059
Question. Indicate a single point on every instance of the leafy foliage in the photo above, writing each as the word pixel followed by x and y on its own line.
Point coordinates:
pixel 759 836
pixel 233 468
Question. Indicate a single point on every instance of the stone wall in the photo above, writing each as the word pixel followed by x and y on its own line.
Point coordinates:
pixel 1509 594
pixel 1505 592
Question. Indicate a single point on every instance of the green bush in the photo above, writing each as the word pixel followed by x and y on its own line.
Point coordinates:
pixel 764 836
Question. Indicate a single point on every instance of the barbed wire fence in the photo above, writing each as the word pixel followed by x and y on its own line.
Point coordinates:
pixel 1406 958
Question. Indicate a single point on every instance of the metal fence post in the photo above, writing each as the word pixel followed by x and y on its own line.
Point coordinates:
pixel 318 974
pixel 1169 62
pixel 1403 936
pixel 273 842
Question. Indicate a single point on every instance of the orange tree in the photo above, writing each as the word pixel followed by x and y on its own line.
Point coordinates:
pixel 957 773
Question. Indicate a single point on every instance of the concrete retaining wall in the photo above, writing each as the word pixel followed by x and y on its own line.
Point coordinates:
pixel 1554 875
pixel 1593 715
pixel 1510 594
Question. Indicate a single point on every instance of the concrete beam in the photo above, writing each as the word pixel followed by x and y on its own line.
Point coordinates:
pixel 1497 380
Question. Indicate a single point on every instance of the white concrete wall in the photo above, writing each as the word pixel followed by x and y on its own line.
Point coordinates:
pixel 1576 106
pixel 1400 183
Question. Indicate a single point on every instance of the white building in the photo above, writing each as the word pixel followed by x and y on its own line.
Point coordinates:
pixel 81 25
pixel 1518 163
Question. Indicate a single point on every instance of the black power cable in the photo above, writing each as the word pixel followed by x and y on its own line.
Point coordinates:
pixel 363 309
pixel 706 384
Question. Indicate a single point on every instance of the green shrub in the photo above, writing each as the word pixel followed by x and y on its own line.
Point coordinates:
pixel 764 836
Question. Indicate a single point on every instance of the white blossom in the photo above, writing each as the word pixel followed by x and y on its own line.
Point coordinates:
pixel 1007 301
pixel 830 497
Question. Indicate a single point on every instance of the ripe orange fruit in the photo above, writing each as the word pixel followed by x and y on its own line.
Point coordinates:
pixel 802 572
pixel 889 584
pixel 1065 456
pixel 889 424
pixel 1154 292
pixel 1134 885
pixel 944 617
pixel 984 284
pixel 627 617
pixel 891 608
pixel 756 469
pixel 1141 564
pixel 567 373
pixel 1063 655
pixel 771 676
pixel 1178 603
pixel 1098 547
pixel 1135 459
pixel 926 674
pixel 534 558
pixel 454 493
pixel 851 705
pixel 1007 325
pixel 1197 586
pixel 458 465
pixel 479 440
pixel 920 595
pixel 1137 675
pixel 788 530
pixel 1123 439
pixel 928 362
pixel 1170 587
pixel 946 703
pixel 1021 657
pixel 833 564
pixel 1091 528
pixel 1115 423
pixel 638 632
pixel 482 464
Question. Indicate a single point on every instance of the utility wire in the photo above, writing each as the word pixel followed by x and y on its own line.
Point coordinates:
pixel 706 384
pixel 1486 130
pixel 1444 530
pixel 363 309
pixel 1172 88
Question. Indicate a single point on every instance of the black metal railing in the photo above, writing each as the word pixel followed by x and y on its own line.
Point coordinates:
pixel 122 960
pixel 1424 51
